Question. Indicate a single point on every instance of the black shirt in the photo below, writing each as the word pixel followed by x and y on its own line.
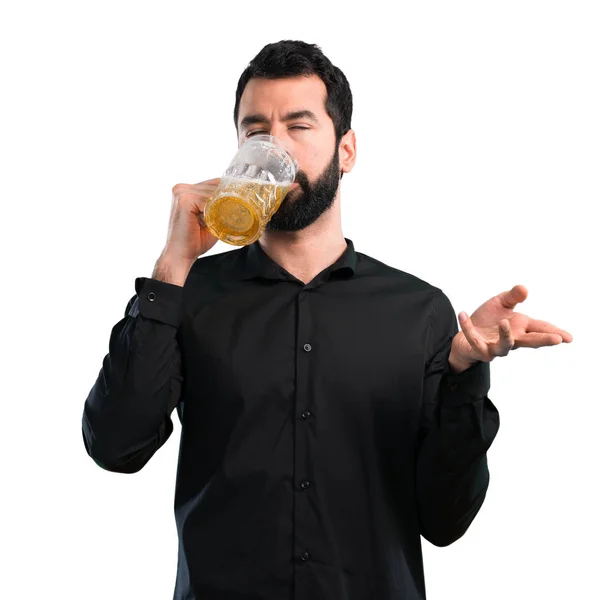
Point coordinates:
pixel 323 431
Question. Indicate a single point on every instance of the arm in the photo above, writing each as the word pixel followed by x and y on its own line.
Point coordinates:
pixel 458 424
pixel 126 416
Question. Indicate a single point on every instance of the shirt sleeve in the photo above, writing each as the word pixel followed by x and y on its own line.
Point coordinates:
pixel 126 416
pixel 458 424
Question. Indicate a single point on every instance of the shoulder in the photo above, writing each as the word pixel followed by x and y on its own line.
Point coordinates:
pixel 430 298
pixel 372 267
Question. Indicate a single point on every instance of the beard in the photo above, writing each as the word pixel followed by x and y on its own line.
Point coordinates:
pixel 303 205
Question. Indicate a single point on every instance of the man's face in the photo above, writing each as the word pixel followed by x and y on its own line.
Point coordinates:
pixel 293 110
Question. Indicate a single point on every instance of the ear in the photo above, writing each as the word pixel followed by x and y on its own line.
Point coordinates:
pixel 347 151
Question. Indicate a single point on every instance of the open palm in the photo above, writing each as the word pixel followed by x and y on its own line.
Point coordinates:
pixel 495 329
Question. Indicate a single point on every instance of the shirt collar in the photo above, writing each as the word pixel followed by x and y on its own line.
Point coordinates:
pixel 259 264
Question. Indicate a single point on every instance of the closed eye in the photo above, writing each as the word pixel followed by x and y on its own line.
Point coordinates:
pixel 251 133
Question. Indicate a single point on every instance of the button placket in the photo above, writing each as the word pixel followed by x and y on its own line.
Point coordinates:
pixel 304 515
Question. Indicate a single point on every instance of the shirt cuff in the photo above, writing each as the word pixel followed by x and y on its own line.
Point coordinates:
pixel 158 300
pixel 468 386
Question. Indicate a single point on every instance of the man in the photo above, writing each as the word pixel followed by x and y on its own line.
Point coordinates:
pixel 332 412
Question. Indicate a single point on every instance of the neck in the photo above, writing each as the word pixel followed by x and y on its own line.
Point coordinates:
pixel 306 253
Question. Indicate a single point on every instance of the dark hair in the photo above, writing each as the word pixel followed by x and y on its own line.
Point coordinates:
pixel 289 58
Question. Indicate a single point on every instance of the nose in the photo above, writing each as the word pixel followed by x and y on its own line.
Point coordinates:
pixel 279 130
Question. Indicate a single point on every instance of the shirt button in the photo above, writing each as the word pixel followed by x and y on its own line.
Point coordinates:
pixel 306 414
pixel 307 347
pixel 151 296
pixel 453 386
pixel 305 556
pixel 305 484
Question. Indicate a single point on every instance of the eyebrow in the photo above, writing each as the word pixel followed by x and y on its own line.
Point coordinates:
pixel 291 116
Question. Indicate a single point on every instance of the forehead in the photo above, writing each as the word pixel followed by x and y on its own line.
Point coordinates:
pixel 274 97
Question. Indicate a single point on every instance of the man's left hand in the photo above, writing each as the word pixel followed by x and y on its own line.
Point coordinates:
pixel 494 329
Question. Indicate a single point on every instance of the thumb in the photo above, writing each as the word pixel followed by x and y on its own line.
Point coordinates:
pixel 512 297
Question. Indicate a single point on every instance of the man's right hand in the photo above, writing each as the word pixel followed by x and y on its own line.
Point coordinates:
pixel 188 237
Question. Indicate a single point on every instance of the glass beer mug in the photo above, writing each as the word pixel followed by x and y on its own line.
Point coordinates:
pixel 251 190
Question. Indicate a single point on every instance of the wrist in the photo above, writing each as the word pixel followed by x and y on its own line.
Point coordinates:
pixel 171 270
pixel 458 365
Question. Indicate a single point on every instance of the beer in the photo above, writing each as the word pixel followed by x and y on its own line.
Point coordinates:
pixel 251 190
pixel 240 209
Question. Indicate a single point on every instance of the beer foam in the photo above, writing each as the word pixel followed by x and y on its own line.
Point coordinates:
pixel 244 181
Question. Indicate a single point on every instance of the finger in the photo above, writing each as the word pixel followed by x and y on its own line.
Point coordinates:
pixel 190 188
pixel 538 340
pixel 478 344
pixel 200 193
pixel 203 188
pixel 512 297
pixel 505 341
pixel 200 202
pixel 535 326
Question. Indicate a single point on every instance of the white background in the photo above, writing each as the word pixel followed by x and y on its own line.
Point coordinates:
pixel 478 149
